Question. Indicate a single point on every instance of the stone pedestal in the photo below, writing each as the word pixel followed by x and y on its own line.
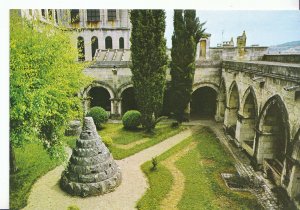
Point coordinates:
pixel 91 169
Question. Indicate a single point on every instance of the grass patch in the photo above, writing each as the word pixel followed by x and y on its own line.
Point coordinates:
pixel 204 187
pixel 122 136
pixel 32 162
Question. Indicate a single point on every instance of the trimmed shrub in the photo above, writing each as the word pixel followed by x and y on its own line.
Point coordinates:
pixel 131 119
pixel 99 116
pixel 107 141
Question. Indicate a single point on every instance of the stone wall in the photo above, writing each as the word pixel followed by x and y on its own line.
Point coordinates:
pixel 232 53
pixel 273 133
pixel 283 58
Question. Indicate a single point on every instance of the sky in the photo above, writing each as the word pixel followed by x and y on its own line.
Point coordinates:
pixel 265 28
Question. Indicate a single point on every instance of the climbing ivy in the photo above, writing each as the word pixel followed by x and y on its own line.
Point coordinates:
pixel 149 60
pixel 44 82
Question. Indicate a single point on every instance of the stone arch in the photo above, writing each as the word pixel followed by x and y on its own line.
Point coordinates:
pixel 94 45
pixel 205 84
pixel 80 48
pixel 248 93
pixel 108 43
pixel 203 101
pixel 95 84
pixel 108 87
pixel 233 98
pixel 125 94
pixel 128 101
pixel 122 87
pixel 275 100
pixel 232 107
pixel 245 130
pixel 273 139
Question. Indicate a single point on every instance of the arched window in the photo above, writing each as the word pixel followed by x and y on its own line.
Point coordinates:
pixel 108 43
pixel 121 43
pixel 94 45
pixel 80 47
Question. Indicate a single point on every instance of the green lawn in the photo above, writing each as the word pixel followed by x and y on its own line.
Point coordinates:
pixel 204 188
pixel 32 162
pixel 121 136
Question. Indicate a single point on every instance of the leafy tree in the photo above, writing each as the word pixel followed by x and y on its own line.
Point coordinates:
pixel 44 80
pixel 149 59
pixel 187 33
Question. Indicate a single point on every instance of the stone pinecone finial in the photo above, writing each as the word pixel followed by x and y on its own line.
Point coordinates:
pixel 91 169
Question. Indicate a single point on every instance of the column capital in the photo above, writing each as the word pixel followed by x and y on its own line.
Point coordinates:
pixel 115 99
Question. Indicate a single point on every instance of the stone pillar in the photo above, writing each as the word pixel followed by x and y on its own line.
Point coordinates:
pixel 115 108
pixel 244 129
pixel 266 147
pixel 230 117
pixel 294 184
pixel 119 104
pixel 86 104
pixel 220 111
pixel 187 111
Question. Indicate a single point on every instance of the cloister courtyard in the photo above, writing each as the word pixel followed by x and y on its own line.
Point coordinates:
pixel 191 159
pixel 104 116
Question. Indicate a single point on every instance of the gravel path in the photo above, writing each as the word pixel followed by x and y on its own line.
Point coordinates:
pixel 46 193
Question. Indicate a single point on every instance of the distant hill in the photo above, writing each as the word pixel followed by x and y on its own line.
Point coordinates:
pixel 286 48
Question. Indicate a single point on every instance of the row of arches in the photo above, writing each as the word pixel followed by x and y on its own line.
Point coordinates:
pixel 95 45
pixel 263 132
pixel 100 96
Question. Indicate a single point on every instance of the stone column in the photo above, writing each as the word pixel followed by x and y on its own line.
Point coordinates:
pixel 265 146
pixel 230 117
pixel 115 108
pixel 244 129
pixel 220 111
pixel 294 184
pixel 187 111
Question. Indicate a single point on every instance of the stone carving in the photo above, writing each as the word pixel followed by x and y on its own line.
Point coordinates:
pixel 91 169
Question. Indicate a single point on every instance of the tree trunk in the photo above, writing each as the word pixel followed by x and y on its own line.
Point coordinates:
pixel 12 159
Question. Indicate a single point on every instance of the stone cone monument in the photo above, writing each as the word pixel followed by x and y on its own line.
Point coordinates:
pixel 91 169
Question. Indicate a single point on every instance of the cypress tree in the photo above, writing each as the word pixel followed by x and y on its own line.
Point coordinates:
pixel 186 35
pixel 149 59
